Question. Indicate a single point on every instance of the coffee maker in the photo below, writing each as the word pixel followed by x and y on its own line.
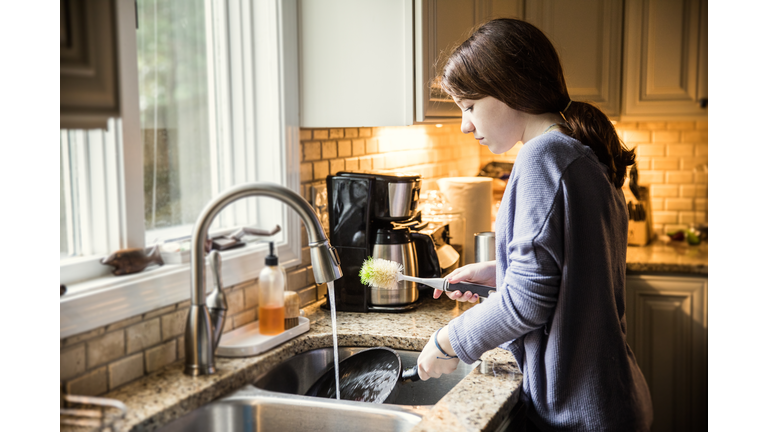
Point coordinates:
pixel 374 214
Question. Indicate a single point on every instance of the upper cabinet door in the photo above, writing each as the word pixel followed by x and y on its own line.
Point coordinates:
pixel 665 60
pixel 356 63
pixel 89 86
pixel 440 26
pixel 587 36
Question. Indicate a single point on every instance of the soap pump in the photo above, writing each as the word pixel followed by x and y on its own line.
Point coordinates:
pixel 271 295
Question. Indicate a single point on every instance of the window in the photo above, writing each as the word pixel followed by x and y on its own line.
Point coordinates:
pixel 216 106
pixel 180 158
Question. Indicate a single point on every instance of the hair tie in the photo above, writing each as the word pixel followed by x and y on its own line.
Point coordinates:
pixel 565 109
pixel 447 356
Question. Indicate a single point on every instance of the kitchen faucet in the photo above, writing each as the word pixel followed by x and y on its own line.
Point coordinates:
pixel 199 340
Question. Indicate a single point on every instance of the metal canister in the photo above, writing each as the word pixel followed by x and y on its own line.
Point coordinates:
pixel 485 246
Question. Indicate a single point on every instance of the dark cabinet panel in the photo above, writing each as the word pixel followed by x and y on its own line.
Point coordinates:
pixel 667 331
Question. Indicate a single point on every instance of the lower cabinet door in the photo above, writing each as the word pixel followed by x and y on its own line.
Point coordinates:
pixel 667 331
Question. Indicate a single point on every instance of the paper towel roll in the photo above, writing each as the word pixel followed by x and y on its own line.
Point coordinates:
pixel 473 197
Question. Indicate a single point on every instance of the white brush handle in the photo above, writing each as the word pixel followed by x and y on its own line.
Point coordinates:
pixel 436 283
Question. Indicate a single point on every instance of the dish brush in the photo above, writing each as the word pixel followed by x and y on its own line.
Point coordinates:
pixel 381 273
pixel 291 309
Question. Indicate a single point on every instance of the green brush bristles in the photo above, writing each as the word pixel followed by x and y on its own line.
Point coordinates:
pixel 380 273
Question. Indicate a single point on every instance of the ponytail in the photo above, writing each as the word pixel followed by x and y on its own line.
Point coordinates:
pixel 591 127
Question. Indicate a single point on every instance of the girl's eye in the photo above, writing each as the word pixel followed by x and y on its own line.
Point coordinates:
pixel 469 108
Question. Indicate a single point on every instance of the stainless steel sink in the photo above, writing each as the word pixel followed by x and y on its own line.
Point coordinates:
pixel 298 373
pixel 276 401
pixel 251 409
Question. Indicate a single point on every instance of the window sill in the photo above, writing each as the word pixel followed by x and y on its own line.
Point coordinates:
pixel 108 299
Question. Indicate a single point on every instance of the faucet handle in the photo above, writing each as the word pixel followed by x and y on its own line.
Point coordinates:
pixel 217 300
pixel 216 267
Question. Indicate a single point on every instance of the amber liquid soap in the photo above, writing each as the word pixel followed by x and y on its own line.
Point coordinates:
pixel 271 320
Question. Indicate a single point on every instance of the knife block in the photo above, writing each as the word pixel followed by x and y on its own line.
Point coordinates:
pixel 640 229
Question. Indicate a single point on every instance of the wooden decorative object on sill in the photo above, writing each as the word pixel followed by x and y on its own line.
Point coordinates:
pixel 134 260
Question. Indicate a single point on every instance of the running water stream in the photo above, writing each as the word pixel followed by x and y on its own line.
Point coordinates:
pixel 332 301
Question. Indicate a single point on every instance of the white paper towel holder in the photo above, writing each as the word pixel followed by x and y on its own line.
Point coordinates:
pixel 473 196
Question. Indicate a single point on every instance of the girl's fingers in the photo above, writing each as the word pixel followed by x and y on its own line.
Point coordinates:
pixel 458 275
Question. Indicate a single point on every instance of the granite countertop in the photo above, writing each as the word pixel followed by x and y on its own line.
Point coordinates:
pixel 668 257
pixel 476 403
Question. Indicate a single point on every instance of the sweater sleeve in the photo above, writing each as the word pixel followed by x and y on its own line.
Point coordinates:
pixel 532 265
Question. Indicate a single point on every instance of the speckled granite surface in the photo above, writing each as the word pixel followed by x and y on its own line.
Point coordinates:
pixel 668 257
pixel 477 403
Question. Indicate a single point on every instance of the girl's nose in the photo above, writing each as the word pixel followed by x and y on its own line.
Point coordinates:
pixel 466 125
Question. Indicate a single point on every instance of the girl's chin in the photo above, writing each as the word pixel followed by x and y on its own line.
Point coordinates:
pixel 498 149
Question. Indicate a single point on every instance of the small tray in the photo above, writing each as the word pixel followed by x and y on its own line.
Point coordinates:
pixel 246 341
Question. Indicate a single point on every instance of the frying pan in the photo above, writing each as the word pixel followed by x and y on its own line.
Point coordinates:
pixel 372 375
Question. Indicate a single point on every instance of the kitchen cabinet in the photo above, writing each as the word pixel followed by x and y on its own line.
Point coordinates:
pixel 355 63
pixel 89 86
pixel 440 25
pixel 667 331
pixel 665 59
pixel 586 33
pixel 656 48
pixel 372 63
pixel 587 36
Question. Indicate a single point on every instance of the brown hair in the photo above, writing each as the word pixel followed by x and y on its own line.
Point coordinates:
pixel 514 62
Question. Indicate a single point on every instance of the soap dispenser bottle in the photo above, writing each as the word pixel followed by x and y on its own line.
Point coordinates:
pixel 271 296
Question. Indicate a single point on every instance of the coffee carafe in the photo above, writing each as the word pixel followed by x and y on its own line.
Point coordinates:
pixel 396 244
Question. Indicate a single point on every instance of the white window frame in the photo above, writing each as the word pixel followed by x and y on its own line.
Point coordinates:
pixel 264 31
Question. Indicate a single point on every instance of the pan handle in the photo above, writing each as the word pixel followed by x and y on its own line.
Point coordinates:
pixel 411 375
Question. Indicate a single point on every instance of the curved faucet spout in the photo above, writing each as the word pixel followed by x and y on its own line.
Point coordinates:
pixel 325 264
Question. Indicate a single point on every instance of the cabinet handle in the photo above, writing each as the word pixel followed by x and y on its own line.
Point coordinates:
pixel 703 102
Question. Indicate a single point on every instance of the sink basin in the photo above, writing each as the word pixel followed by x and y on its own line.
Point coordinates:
pixel 298 373
pixel 276 401
pixel 251 409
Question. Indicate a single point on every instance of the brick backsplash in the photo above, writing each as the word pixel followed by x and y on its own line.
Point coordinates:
pixel 672 161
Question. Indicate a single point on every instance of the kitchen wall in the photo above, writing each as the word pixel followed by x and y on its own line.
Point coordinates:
pixel 672 161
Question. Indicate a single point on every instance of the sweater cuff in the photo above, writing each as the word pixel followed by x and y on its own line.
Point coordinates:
pixel 453 335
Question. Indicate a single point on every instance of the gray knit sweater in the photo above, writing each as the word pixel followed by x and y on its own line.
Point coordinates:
pixel 561 237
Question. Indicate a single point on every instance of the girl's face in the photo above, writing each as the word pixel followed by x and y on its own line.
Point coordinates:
pixel 492 122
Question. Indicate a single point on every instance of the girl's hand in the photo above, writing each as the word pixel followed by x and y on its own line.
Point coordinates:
pixel 483 273
pixel 432 362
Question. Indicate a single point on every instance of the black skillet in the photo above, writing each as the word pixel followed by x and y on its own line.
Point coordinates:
pixel 372 375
